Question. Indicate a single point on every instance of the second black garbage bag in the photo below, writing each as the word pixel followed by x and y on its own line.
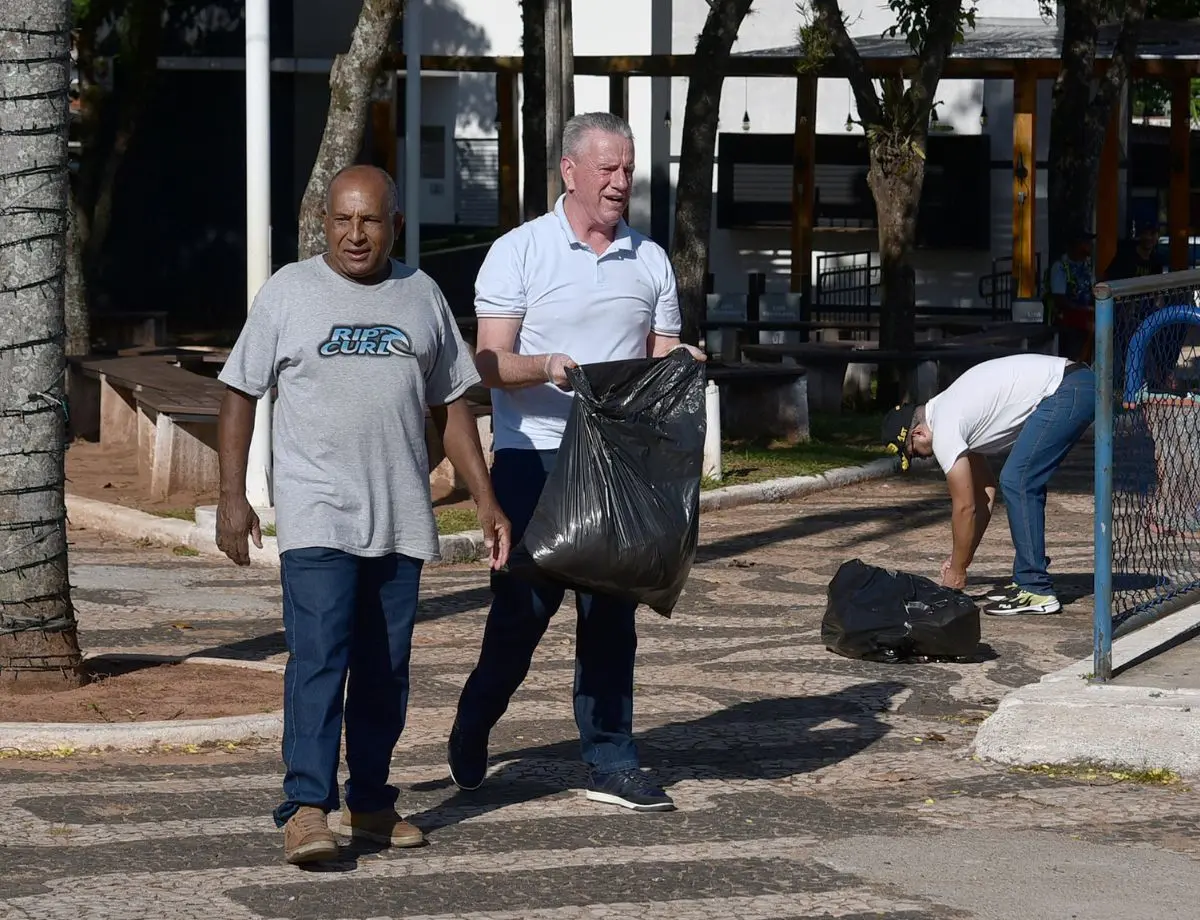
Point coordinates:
pixel 620 513
pixel 882 615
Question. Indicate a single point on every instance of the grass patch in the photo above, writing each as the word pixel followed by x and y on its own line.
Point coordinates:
pixel 456 520
pixel 268 530
pixel 1103 774
pixel 177 514
pixel 851 439
pixel 185 551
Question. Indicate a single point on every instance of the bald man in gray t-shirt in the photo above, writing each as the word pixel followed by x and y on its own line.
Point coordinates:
pixel 357 346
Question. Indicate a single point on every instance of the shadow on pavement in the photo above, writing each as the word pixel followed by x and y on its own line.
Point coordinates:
pixel 759 739
pixel 897 519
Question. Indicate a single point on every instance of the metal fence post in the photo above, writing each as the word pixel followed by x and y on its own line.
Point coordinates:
pixel 1102 615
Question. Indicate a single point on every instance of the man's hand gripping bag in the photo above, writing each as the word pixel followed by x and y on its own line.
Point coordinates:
pixel 619 515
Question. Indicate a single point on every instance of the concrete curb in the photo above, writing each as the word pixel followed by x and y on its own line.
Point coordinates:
pixel 1064 719
pixel 51 737
pixel 778 490
pixel 455 548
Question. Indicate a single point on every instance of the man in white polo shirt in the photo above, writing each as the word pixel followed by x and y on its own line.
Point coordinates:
pixel 1040 406
pixel 576 286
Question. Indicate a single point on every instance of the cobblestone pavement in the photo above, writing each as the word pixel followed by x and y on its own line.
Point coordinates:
pixel 808 785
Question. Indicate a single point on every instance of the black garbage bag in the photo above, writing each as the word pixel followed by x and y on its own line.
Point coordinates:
pixel 879 615
pixel 620 513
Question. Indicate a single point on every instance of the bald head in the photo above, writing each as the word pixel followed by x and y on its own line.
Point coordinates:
pixel 362 220
pixel 370 179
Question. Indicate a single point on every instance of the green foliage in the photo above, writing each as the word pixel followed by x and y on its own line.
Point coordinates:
pixel 913 21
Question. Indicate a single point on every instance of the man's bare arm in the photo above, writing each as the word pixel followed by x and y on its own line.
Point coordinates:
pixel 659 346
pixel 969 516
pixel 502 369
pixel 460 440
pixel 236 520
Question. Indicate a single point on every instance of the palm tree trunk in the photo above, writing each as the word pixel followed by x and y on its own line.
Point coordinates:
pixel 38 643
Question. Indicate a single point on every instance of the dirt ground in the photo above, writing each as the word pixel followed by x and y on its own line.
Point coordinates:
pixel 110 475
pixel 148 692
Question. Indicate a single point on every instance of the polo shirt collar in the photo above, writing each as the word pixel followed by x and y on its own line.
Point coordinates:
pixel 623 240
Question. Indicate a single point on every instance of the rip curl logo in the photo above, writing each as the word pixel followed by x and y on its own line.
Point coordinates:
pixel 377 341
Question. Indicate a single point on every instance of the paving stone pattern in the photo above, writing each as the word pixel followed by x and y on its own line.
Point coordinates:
pixel 808 785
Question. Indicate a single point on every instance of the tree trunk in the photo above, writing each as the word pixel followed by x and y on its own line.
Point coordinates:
pixel 554 100
pixel 568 60
pixel 895 179
pixel 533 107
pixel 1073 167
pixel 1081 113
pixel 78 320
pixel 350 83
pixel 693 192
pixel 38 642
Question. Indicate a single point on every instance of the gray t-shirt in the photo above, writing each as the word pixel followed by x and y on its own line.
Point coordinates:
pixel 355 365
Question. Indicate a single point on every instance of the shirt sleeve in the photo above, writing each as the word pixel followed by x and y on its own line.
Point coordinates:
pixel 500 285
pixel 948 446
pixel 251 365
pixel 667 320
pixel 453 371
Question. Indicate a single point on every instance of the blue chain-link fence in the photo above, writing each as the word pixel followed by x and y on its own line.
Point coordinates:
pixel 1147 486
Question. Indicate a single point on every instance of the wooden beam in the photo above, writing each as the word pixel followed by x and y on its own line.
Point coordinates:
pixel 804 192
pixel 1107 199
pixel 618 94
pixel 509 143
pixel 554 101
pixel 1179 200
pixel 681 65
pixel 1024 249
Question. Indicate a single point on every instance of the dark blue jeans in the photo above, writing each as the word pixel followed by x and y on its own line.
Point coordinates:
pixel 1051 431
pixel 605 636
pixel 344 614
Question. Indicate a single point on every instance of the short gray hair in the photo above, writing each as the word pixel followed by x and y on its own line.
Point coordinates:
pixel 392 200
pixel 577 128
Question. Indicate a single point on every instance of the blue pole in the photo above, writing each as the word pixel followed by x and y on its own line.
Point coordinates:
pixel 1102 615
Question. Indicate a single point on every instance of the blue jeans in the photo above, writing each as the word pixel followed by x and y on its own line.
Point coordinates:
pixel 605 636
pixel 1051 431
pixel 344 614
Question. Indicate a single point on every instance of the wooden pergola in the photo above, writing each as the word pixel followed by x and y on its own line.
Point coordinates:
pixel 1024 51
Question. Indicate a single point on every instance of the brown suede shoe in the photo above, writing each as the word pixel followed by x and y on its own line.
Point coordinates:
pixel 384 827
pixel 307 837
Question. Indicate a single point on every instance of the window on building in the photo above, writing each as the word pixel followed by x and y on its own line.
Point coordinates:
pixel 433 152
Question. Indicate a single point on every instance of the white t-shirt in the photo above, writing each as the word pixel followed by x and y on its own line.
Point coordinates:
pixel 984 409
pixel 573 302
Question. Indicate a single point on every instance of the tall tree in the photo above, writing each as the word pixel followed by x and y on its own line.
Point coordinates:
pixel 533 107
pixel 697 151
pixel 1082 108
pixel 896 122
pixel 350 82
pixel 38 642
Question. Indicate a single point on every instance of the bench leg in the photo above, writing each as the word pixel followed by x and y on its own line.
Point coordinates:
pixel 118 416
pixel 83 402
pixel 856 386
pixel 147 419
pixel 825 383
pixel 185 458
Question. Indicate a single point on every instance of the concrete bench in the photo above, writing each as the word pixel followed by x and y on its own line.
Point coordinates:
pixel 927 369
pixel 762 400
pixel 170 414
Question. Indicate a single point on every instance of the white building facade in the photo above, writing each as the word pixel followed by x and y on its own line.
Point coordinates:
pixel 459 109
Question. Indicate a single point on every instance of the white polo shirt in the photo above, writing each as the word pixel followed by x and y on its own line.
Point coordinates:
pixel 570 301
